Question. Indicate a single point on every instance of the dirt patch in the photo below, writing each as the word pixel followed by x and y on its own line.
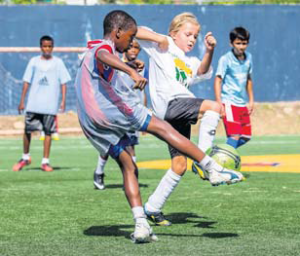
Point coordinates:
pixel 267 119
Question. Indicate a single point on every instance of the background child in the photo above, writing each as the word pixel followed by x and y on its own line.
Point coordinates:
pixel 108 109
pixel 130 58
pixel 47 77
pixel 171 72
pixel 232 85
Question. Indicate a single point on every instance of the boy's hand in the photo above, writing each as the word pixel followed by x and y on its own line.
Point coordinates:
pixel 21 107
pixel 210 41
pixel 163 44
pixel 222 115
pixel 139 65
pixel 140 82
pixel 62 107
pixel 250 108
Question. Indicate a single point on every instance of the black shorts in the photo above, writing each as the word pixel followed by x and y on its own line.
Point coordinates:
pixel 181 113
pixel 40 122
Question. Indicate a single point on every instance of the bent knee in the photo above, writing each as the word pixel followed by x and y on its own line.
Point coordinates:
pixel 211 105
pixel 179 165
pixel 216 107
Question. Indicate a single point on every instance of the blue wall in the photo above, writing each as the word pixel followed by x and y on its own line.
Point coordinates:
pixel 274 43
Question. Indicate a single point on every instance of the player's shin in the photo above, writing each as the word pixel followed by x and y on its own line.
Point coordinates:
pixel 207 129
pixel 164 189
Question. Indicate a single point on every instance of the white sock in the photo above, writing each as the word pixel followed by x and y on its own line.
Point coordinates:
pixel 134 158
pixel 45 161
pixel 207 129
pixel 100 166
pixel 207 163
pixel 139 215
pixel 26 156
pixel 164 189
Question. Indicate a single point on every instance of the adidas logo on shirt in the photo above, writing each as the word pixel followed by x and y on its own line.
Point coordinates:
pixel 44 81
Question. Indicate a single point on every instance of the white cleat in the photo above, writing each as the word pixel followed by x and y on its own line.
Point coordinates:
pixel 217 175
pixel 143 234
pixel 225 176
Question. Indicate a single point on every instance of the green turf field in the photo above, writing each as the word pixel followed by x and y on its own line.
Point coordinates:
pixel 60 213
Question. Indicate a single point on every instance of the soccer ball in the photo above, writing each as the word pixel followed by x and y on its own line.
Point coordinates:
pixel 225 155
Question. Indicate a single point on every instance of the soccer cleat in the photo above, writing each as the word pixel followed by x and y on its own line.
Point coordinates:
pixel 19 166
pixel 46 168
pixel 55 136
pixel 157 218
pixel 99 181
pixel 197 170
pixel 143 234
pixel 218 176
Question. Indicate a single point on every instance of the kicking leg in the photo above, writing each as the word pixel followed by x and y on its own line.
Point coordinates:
pixel 217 174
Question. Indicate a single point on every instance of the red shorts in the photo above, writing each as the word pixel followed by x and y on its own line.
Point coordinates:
pixel 237 121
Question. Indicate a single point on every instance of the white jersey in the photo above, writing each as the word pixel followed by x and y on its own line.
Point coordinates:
pixel 171 73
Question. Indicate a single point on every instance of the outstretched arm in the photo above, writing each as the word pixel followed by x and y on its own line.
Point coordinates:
pixel 148 35
pixel 210 43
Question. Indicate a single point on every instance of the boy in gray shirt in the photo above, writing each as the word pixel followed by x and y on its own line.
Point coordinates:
pixel 45 77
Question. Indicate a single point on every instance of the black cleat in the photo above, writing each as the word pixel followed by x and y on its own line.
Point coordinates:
pixel 157 218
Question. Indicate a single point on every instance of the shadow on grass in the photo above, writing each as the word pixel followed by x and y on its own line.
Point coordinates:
pixel 219 235
pixel 116 230
pixel 55 168
pixel 247 175
pixel 113 186
pixel 189 217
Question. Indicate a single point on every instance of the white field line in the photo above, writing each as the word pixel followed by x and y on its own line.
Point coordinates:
pixel 84 144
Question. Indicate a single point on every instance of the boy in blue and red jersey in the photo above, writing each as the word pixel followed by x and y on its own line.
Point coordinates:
pixel 233 86
pixel 130 58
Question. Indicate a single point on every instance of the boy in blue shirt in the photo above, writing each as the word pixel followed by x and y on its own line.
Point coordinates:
pixel 45 77
pixel 233 86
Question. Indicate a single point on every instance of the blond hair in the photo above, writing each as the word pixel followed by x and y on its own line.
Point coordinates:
pixel 181 19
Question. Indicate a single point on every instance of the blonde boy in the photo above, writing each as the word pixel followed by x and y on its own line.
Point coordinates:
pixel 171 73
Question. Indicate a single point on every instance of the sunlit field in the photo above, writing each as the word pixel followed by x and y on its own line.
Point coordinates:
pixel 60 213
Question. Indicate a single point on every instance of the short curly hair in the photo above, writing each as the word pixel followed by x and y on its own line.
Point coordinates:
pixel 117 19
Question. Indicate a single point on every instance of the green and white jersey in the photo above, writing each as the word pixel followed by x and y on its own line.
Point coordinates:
pixel 170 74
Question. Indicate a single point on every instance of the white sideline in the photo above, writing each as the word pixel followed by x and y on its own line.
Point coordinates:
pixel 38 49
pixel 61 130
